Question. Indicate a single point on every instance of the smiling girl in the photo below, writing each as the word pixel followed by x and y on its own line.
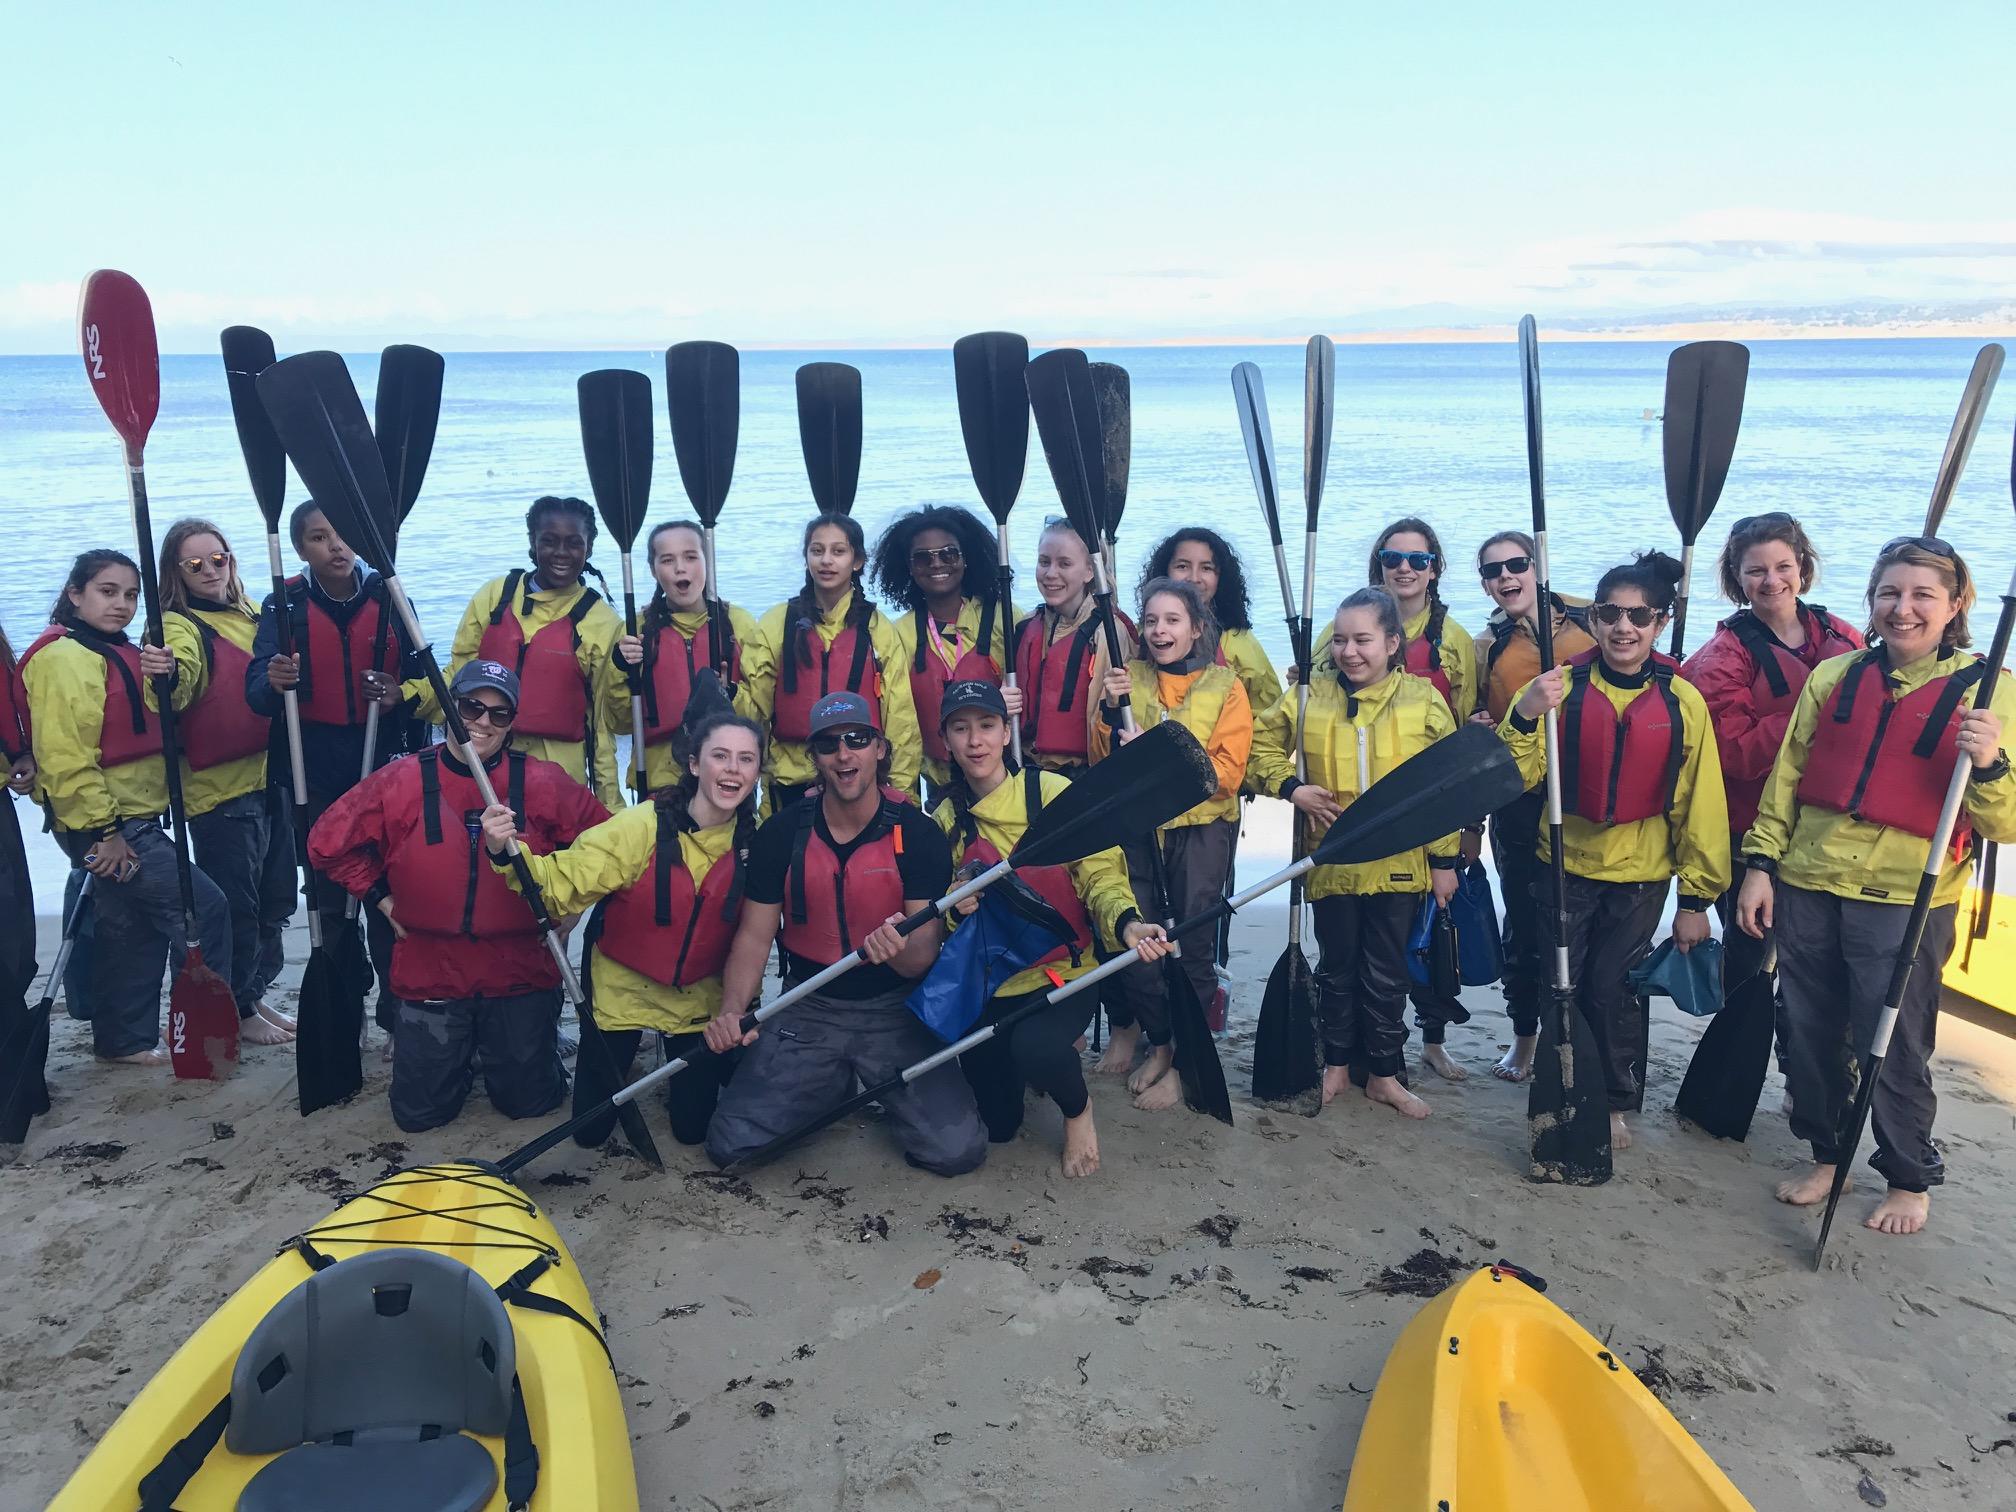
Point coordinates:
pixel 1837 849
pixel 1407 562
pixel 1204 557
pixel 1060 657
pixel 1641 795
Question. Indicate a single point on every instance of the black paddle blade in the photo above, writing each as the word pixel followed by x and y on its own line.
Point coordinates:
pixel 1319 399
pixel 616 439
pixel 1704 409
pixel 329 1018
pixel 320 420
pixel 1536 464
pixel 248 352
pixel 1966 426
pixel 1726 1076
pixel 1249 394
pixel 1197 1065
pixel 987 370
pixel 1144 784
pixel 406 412
pixel 1453 783
pixel 1567 1104
pixel 1115 393
pixel 1066 407
pixel 703 394
pixel 1287 1061
pixel 829 428
pixel 24 1062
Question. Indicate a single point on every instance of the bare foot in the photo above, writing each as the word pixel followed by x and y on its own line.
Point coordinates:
pixel 279 1020
pixel 1620 1132
pixel 1165 1093
pixel 1081 1145
pixel 158 1056
pixel 256 1031
pixel 1436 1059
pixel 1517 1063
pixel 1078 1045
pixel 1335 1080
pixel 1121 1044
pixel 1153 1069
pixel 1900 1212
pixel 1387 1090
pixel 1811 1188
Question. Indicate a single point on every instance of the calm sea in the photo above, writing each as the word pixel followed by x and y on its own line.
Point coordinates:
pixel 1846 434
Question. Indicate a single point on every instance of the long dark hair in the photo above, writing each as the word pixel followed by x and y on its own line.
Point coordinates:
pixel 175 591
pixel 1232 604
pixel 685 744
pixel 87 566
pixel 580 509
pixel 801 611
pixel 1652 573
pixel 890 565
pixel 658 612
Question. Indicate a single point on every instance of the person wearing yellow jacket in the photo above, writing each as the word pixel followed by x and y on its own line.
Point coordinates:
pixel 1204 557
pixel 238 826
pixel 988 806
pixel 1179 871
pixel 674 645
pixel 99 773
pixel 827 638
pixel 1834 857
pixel 556 633
pixel 1407 561
pixel 668 878
pixel 1366 716
pixel 1642 800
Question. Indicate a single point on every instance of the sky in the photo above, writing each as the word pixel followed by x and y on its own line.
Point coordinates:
pixel 621 174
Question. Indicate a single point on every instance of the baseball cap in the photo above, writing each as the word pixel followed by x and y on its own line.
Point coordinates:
pixel 485 674
pixel 971 693
pixel 838 710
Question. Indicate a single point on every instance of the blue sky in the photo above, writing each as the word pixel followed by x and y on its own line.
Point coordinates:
pixel 617 173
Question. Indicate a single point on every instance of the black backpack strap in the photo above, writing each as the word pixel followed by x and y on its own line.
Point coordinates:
pixel 1957 685
pixel 1032 792
pixel 862 646
pixel 511 581
pixel 1851 685
pixel 1571 731
pixel 588 600
pixel 661 863
pixel 800 908
pixel 1081 651
pixel 923 628
pixel 521 1454
pixel 987 608
pixel 1662 679
pixel 135 699
pixel 1501 636
pixel 517 1292
pixel 430 793
pixel 160 1486
pixel 1761 644
pixel 515 787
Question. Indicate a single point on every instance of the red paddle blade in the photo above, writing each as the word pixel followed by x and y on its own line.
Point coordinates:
pixel 202 1022
pixel 115 329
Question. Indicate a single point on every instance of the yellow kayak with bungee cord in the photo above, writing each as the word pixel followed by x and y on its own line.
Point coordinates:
pixel 428 1347
pixel 1984 968
pixel 1495 1400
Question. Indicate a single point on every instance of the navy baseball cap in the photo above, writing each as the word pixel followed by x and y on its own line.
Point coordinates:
pixel 836 711
pixel 968 694
pixel 485 674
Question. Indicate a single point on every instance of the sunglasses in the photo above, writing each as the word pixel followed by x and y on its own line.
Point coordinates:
pixel 831 741
pixel 944 556
pixel 1420 561
pixel 1639 614
pixel 1924 543
pixel 1769 517
pixel 215 559
pixel 1492 571
pixel 475 711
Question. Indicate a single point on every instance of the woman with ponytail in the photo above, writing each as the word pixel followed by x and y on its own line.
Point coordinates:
pixel 1642 799
pixel 238 824
pixel 1060 658
pixel 556 633
pixel 665 880
pixel 827 638
pixel 675 643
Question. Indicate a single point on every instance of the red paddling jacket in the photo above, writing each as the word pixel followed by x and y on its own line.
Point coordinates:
pixel 413 830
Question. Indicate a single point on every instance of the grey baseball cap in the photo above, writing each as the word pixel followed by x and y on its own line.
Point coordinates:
pixel 485 674
pixel 838 710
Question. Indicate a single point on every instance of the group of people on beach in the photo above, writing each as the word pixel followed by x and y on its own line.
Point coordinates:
pixel 811 776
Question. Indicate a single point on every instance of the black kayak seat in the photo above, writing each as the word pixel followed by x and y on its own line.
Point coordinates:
pixel 366 1380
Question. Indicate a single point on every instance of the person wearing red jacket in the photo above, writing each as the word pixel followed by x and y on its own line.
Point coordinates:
pixel 469 969
pixel 1749 674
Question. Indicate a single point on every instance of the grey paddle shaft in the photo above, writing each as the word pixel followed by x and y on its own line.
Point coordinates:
pixel 364 770
pixel 555 946
pixel 68 943
pixel 636 691
pixel 1008 639
pixel 292 700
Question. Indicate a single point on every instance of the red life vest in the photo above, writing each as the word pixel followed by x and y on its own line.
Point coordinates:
pixel 1056 683
pixel 671 660
pixel 1781 672
pixel 661 925
pixel 1887 760
pixel 830 909
pixel 129 731
pixel 1618 771
pixel 342 652
pixel 446 884
pixel 929 675
pixel 221 726
pixel 1051 883
pixel 552 693
pixel 1424 655
pixel 797 690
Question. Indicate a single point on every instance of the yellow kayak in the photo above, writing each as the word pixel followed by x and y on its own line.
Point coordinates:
pixel 1495 1400
pixel 430 1339
pixel 1985 969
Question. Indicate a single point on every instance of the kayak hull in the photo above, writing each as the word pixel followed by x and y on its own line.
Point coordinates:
pixel 1985 969
pixel 464 1211
pixel 1495 1400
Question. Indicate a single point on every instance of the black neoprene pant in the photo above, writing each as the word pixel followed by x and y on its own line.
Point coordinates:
pixel 1040 1051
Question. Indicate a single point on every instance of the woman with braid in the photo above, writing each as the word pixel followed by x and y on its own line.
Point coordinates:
pixel 827 638
pixel 556 634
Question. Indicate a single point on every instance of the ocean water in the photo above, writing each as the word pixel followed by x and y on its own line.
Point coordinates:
pixel 1845 434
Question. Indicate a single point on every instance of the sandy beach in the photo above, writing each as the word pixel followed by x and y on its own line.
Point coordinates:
pixel 1198 1327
